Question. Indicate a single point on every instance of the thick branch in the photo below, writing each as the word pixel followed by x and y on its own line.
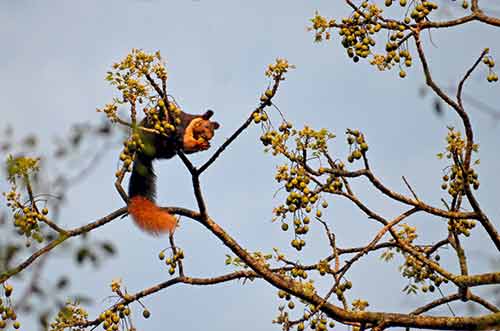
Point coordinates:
pixel 297 289
pixel 480 279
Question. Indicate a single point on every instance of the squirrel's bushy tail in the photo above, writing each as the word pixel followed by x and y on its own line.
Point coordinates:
pixel 149 217
pixel 142 188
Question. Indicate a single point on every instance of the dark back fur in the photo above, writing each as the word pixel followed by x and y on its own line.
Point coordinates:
pixel 143 179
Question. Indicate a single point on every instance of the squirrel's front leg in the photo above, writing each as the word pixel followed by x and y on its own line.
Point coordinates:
pixel 191 145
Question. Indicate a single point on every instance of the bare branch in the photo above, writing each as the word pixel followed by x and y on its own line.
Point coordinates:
pixel 458 109
pixel 436 303
pixel 228 141
pixel 467 75
pixel 483 302
pixel 242 128
pixel 409 187
pixel 376 239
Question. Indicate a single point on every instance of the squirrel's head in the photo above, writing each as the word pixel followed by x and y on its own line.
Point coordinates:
pixel 203 127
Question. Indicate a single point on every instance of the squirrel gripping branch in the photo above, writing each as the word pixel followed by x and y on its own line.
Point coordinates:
pixel 192 134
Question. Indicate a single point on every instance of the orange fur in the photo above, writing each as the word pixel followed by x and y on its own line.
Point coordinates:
pixel 146 214
pixel 149 217
pixel 197 134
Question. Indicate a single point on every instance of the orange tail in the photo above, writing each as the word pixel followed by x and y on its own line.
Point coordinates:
pixel 149 217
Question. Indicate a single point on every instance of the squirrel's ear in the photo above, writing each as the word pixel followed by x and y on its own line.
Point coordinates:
pixel 215 125
pixel 207 114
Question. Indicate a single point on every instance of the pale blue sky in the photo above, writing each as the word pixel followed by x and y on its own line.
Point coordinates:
pixel 53 62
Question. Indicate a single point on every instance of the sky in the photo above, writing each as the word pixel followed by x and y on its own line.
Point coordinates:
pixel 54 59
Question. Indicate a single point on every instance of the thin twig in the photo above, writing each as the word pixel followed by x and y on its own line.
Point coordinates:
pixel 436 303
pixel 375 240
pixel 409 187
pixel 174 251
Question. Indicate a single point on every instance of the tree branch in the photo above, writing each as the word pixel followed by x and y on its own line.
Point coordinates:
pixel 248 121
pixel 436 303
pixel 59 240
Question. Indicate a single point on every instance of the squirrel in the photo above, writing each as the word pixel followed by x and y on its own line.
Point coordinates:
pixel 191 135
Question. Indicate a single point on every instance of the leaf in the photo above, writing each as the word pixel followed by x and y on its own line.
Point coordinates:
pixel 30 141
pixel 387 255
pixel 66 312
pixel 104 129
pixel 39 291
pixel 81 255
pixel 5 147
pixel 82 299
pixel 438 107
pixel 108 248
pixel 10 253
pixel 62 283
pixel 43 319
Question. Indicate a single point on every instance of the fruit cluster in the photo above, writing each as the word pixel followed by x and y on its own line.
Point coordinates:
pixel 320 324
pixel 357 145
pixel 422 9
pixel 160 123
pixel 69 316
pixel 259 117
pixel 456 177
pixel 419 272
pixel 26 216
pixel 173 261
pixel 130 146
pixel 490 63
pixel 317 320
pixel 112 318
pixel 455 180
pixel 300 201
pixel 358 32
pixel 26 213
pixel 7 310
pixel 276 140
pixel 461 226
pixel 278 69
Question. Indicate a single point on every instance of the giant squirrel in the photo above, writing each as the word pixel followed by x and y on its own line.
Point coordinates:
pixel 191 135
